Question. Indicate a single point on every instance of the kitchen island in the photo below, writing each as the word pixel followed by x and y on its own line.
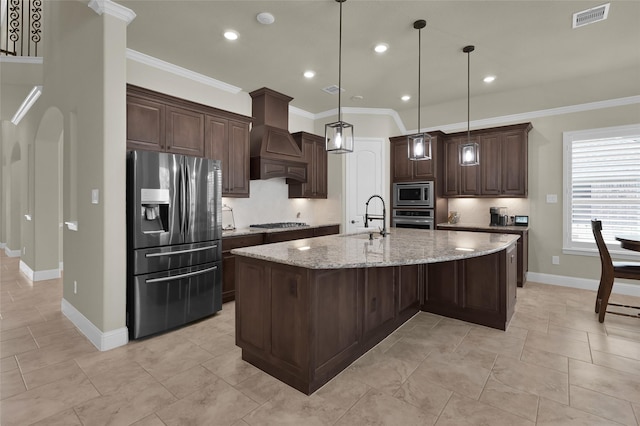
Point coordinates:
pixel 308 308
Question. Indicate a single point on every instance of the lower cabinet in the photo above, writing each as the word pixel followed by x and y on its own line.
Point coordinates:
pixel 229 261
pixel 480 290
pixel 232 242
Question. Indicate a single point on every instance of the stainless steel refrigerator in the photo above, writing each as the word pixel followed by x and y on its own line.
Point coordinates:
pixel 174 231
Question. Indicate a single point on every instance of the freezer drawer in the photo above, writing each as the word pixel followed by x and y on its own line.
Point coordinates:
pixel 165 300
pixel 148 260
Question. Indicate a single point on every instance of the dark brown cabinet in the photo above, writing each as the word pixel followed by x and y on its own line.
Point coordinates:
pixel 522 246
pixel 228 140
pixel 478 289
pixel 502 171
pixel 238 241
pixel 184 131
pixel 315 155
pixel 145 124
pixel 229 261
pixel 405 170
pixel 159 122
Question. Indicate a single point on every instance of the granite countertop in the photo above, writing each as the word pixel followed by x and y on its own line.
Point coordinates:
pixel 247 231
pixel 481 226
pixel 400 247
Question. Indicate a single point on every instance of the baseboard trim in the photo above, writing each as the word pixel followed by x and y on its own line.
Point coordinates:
pixel 49 274
pixel 101 340
pixel 582 283
pixel 12 253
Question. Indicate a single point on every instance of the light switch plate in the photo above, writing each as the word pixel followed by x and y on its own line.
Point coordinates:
pixel 95 196
pixel 552 198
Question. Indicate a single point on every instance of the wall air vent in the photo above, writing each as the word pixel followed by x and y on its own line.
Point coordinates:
pixel 332 90
pixel 590 16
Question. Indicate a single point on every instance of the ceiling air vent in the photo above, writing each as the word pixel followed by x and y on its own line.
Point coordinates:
pixel 332 90
pixel 590 16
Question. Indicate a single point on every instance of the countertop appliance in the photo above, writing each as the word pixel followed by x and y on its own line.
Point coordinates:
pixel 499 216
pixel 174 250
pixel 413 194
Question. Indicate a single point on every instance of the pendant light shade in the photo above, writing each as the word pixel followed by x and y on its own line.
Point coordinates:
pixel 469 152
pixel 338 136
pixel 419 145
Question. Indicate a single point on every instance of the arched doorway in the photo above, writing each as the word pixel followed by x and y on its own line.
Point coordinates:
pixel 45 196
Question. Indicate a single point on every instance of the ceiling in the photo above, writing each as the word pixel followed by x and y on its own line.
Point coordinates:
pixel 522 43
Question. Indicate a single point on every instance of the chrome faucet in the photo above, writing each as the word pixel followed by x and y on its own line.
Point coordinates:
pixel 383 218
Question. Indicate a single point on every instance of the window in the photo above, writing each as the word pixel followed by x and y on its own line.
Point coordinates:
pixel 601 181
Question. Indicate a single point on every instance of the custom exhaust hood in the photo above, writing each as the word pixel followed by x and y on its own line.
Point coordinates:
pixel 274 153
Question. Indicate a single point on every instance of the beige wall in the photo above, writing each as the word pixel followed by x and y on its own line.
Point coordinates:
pixel 91 97
pixel 545 177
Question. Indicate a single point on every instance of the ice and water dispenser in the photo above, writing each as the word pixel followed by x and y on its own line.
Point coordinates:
pixel 154 210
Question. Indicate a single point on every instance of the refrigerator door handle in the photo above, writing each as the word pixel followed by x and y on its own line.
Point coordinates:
pixel 182 200
pixel 170 253
pixel 179 277
pixel 189 207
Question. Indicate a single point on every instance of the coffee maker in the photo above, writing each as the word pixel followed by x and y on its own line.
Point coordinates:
pixel 498 216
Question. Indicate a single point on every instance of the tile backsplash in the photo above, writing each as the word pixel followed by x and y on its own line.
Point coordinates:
pixel 269 202
pixel 476 210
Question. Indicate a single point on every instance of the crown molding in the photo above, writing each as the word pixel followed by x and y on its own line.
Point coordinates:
pixel 180 71
pixel 528 116
pixel 114 9
pixel 451 128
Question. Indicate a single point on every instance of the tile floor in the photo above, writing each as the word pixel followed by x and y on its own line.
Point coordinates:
pixel 555 365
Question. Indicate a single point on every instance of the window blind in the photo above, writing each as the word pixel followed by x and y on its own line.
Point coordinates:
pixel 605 185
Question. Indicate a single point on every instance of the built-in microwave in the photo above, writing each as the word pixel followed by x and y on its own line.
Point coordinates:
pixel 413 194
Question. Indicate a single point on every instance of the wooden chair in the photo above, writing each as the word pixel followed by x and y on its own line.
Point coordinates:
pixel 610 271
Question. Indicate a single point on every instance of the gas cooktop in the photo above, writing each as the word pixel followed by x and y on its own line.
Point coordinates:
pixel 279 225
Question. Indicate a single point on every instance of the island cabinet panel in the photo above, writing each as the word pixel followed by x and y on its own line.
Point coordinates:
pixel 477 289
pixel 379 296
pixel 289 299
pixel 304 326
pixel 338 309
pixel 252 327
pixel 409 279
pixel 442 284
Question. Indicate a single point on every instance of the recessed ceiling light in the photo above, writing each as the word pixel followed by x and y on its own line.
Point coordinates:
pixel 405 97
pixel 489 78
pixel 230 35
pixel 381 47
pixel 265 18
pixel 309 74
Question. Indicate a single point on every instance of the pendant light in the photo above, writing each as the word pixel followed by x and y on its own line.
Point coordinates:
pixel 419 145
pixel 469 153
pixel 338 136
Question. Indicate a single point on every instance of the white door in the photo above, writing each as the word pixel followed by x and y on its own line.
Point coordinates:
pixel 365 176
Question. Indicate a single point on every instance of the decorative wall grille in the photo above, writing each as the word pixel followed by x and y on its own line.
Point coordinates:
pixel 21 27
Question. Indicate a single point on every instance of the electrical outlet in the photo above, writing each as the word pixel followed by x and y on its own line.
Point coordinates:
pixel 95 196
pixel 75 287
pixel 555 260
pixel 24 251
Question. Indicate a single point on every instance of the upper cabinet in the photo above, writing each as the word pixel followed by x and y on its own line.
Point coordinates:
pixel 159 122
pixel 405 170
pixel 228 140
pixel 502 171
pixel 315 155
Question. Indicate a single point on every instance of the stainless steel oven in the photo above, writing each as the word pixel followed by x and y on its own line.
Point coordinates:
pixel 417 219
pixel 413 194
